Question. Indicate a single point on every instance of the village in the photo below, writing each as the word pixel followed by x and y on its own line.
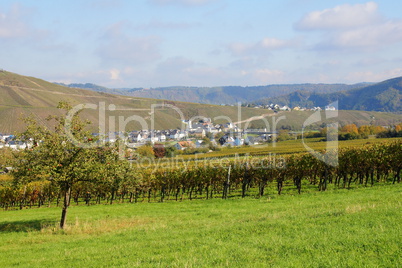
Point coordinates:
pixel 277 107
pixel 196 134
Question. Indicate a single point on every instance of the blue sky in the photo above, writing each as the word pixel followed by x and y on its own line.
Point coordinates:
pixel 151 43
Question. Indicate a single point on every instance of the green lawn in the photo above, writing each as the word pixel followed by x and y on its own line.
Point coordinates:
pixel 339 228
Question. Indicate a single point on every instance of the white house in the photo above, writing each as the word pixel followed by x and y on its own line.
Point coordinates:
pixel 183 134
pixel 162 137
pixel 174 135
pixel 198 143
pixel 17 145
pixel 330 108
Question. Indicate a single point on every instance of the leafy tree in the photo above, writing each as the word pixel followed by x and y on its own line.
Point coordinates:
pixel 218 136
pixel 350 128
pixel 146 151
pixel 206 142
pixel 111 170
pixel 348 136
pixel 159 150
pixel 62 156
pixel 209 135
pixel 379 129
pixel 365 130
pixel 170 151
pixel 6 157
pixel 283 135
pixel 398 128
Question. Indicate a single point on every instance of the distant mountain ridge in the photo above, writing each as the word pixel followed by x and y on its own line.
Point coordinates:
pixel 21 96
pixel 383 97
pixel 219 95
pixel 93 87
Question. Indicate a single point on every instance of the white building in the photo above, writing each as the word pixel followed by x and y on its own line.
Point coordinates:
pixel 330 108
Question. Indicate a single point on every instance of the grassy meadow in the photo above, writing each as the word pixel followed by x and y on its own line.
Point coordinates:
pixel 337 228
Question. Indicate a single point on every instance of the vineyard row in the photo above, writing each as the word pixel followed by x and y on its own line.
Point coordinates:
pixel 366 166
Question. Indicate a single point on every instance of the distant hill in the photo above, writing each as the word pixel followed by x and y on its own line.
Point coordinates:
pixel 383 97
pixel 232 94
pixel 219 95
pixel 21 96
pixel 96 88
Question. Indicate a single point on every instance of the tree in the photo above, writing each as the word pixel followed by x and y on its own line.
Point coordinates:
pixel 6 157
pixel 159 150
pixel 170 151
pixel 283 135
pixel 350 128
pixel 146 151
pixel 379 129
pixel 110 169
pixel 398 128
pixel 366 130
pixel 57 156
pixel 218 136
pixel 209 136
pixel 206 142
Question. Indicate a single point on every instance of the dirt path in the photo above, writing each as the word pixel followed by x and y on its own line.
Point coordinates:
pixel 258 117
pixel 82 96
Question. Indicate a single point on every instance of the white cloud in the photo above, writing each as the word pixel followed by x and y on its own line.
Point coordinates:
pixel 175 64
pixel 182 2
pixel 373 76
pixel 358 26
pixel 340 17
pixel 265 45
pixel 17 29
pixel 371 36
pixel 273 43
pixel 267 76
pixel 13 23
pixel 122 49
pixel 245 63
pixel 183 71
pixel 114 74
pixel 125 77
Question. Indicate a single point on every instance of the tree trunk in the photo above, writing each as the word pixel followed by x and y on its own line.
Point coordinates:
pixel 262 185
pixel 163 190
pixel 226 185
pixel 177 193
pixel 279 186
pixel 297 182
pixel 66 203
pixel 111 199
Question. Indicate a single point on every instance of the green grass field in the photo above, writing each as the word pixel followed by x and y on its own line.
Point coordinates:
pixel 338 228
